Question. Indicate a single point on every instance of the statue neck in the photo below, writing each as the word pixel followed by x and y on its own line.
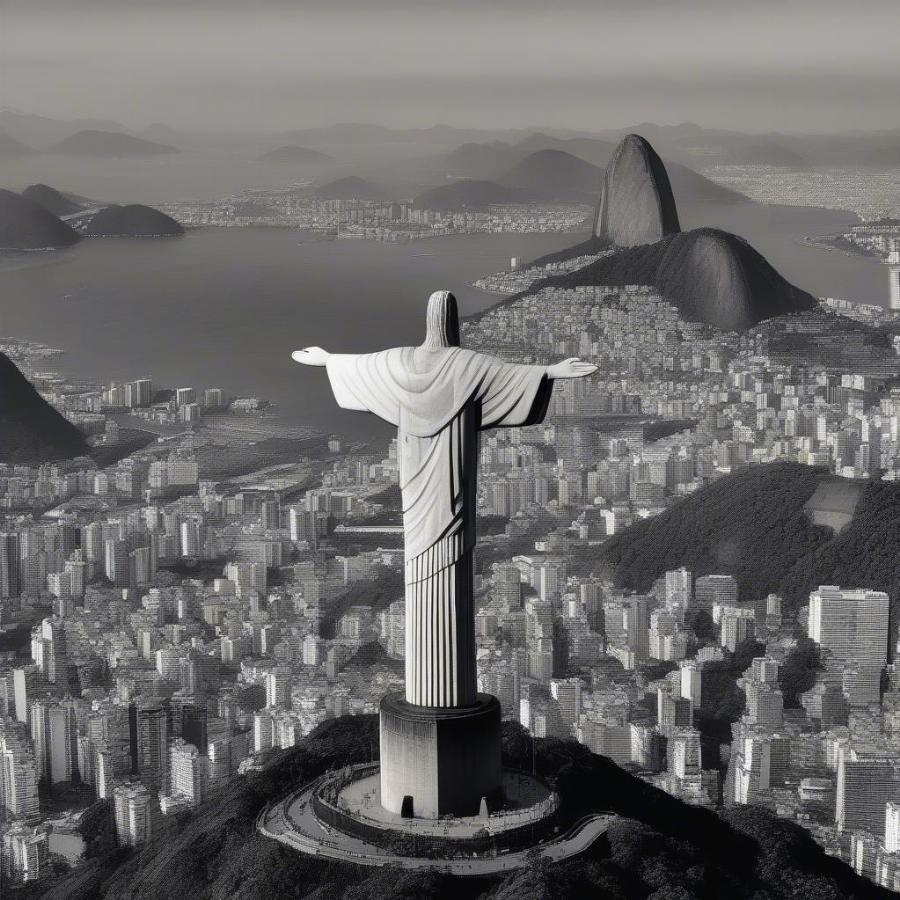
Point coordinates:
pixel 424 356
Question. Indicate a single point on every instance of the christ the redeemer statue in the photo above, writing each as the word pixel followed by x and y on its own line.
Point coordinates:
pixel 439 396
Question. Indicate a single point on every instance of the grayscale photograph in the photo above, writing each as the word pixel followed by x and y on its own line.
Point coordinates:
pixel 449 450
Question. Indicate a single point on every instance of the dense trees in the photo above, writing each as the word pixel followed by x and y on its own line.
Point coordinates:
pixel 751 524
pixel 798 673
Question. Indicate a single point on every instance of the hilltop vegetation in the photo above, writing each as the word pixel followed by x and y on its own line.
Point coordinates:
pixel 658 848
pixel 751 524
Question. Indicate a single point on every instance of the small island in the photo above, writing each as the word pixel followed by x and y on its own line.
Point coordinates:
pixel 133 220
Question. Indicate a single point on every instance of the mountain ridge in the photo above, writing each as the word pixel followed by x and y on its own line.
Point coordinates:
pixel 92 142
pixel 289 153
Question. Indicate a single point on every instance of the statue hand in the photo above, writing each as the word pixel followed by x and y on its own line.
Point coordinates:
pixel 571 368
pixel 311 356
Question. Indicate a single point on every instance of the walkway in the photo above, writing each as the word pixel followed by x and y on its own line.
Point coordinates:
pixel 292 822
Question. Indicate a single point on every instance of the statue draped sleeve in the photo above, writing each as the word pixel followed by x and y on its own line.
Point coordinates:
pixel 423 403
pixel 363 382
pixel 514 395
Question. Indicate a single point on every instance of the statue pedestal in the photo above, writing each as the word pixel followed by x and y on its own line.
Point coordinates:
pixel 444 758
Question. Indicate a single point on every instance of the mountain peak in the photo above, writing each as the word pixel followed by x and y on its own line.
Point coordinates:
pixel 637 205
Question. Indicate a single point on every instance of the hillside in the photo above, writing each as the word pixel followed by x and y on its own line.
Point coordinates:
pixel 659 848
pixel 51 199
pixel 554 176
pixel 291 154
pixel 478 161
pixel 590 149
pixel 718 278
pixel 31 430
pixel 464 194
pixel 752 524
pixel 26 225
pixel 134 220
pixel 690 187
pixel 350 188
pixel 710 275
pixel 109 143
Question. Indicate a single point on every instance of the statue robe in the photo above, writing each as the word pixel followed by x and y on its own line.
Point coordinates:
pixel 439 399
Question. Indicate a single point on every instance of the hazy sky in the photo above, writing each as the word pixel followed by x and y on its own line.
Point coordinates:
pixel 803 65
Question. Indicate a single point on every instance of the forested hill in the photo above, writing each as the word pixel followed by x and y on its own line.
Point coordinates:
pixel 751 524
pixel 658 848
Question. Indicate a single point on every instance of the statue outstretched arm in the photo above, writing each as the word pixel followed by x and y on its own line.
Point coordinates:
pixel 572 367
pixel 311 356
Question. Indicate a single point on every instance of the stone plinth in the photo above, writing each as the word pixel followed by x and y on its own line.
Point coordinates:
pixel 444 758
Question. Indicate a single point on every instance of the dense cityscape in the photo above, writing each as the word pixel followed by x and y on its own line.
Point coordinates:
pixel 379 220
pixel 193 601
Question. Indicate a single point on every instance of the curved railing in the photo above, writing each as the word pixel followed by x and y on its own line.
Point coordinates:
pixel 486 859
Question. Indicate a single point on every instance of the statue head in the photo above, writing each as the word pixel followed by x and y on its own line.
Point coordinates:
pixel 442 325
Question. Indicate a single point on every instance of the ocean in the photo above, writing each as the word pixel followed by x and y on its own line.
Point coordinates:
pixel 224 307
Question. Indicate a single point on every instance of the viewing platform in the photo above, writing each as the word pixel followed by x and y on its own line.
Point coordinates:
pixel 339 816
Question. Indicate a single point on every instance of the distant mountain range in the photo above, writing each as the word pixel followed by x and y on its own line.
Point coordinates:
pixel 9 146
pixel 132 220
pixel 554 174
pixel 42 131
pixel 27 225
pixel 295 155
pixel 350 188
pixel 687 143
pixel 467 193
pixel 109 143
pixel 31 430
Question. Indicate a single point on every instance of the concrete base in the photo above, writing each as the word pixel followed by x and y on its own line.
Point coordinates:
pixel 438 761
